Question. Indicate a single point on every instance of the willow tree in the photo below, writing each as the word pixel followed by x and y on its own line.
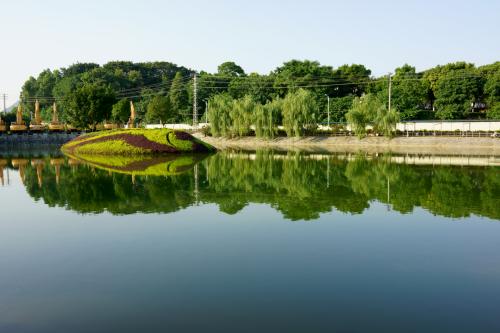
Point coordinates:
pixel 361 113
pixel 242 115
pixel 385 121
pixel 300 111
pixel 266 118
pixel 369 110
pixel 219 115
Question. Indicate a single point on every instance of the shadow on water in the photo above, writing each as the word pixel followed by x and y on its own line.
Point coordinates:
pixel 299 185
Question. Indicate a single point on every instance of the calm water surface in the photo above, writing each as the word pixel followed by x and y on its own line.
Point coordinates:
pixel 250 242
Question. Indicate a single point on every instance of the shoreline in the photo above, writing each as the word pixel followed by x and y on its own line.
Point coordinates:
pixel 398 145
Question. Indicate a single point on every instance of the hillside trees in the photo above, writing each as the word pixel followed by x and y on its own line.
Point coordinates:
pixel 452 91
pixel 120 113
pixel 454 87
pixel 179 98
pixel 409 92
pixel 159 109
pixel 89 105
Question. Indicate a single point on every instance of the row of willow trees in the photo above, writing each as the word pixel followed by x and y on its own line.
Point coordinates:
pixel 88 93
pixel 297 113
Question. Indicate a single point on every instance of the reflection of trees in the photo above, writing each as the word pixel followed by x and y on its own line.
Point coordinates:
pixel 88 190
pixel 297 185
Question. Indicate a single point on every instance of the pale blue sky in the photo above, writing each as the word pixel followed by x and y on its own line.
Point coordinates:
pixel 259 35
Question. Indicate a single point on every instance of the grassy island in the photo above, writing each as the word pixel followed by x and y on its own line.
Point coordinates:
pixel 136 142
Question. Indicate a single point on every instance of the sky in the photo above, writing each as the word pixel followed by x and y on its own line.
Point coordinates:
pixel 258 35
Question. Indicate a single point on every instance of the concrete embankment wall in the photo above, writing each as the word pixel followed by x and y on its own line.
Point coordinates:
pixel 408 126
pixel 399 145
pixel 28 139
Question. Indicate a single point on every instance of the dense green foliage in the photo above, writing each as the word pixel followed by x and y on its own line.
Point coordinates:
pixel 299 186
pixel 370 110
pixel 121 111
pixel 452 91
pixel 409 93
pixel 237 117
pixel 89 105
pixel 134 81
pixel 179 98
pixel 159 109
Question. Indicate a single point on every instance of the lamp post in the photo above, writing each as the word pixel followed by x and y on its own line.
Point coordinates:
pixel 206 109
pixel 328 110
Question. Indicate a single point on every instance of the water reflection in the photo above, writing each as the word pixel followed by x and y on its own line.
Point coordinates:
pixel 300 186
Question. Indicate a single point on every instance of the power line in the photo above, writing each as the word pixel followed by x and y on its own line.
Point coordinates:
pixel 290 84
pixel 164 83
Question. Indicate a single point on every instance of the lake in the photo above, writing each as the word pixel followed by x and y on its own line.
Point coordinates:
pixel 261 241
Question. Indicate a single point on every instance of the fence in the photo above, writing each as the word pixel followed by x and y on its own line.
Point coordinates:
pixel 409 128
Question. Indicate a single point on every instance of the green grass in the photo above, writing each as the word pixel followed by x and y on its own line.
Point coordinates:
pixel 115 146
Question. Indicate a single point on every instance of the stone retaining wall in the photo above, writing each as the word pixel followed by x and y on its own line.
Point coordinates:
pixel 399 145
pixel 36 139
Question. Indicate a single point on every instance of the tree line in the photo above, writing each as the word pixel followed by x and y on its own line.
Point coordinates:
pixel 296 95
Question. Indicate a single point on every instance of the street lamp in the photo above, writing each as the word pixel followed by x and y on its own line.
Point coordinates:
pixel 206 110
pixel 328 112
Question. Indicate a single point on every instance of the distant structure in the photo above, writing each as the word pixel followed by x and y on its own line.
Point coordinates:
pixel 36 125
pixel 19 125
pixel 55 125
pixel 131 121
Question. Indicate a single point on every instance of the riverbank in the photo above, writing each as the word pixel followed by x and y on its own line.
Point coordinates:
pixel 399 145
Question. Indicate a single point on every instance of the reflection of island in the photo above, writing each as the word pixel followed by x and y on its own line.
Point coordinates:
pixel 299 186
pixel 160 165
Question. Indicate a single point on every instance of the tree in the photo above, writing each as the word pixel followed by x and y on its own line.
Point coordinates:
pixel 295 74
pixel 179 99
pixel 362 113
pixel 492 94
pixel 254 85
pixel 409 92
pixel 89 105
pixel 78 68
pixel 339 106
pixel 159 109
pixel 352 80
pixel 454 87
pixel 242 116
pixel 385 121
pixel 219 115
pixel 120 112
pixel 61 90
pixel 230 68
pixel 300 111
pixel 369 109
pixel 267 117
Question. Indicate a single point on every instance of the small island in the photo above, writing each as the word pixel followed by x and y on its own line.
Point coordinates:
pixel 136 142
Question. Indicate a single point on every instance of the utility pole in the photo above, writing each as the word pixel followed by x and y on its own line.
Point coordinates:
pixel 195 100
pixel 390 91
pixel 4 102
